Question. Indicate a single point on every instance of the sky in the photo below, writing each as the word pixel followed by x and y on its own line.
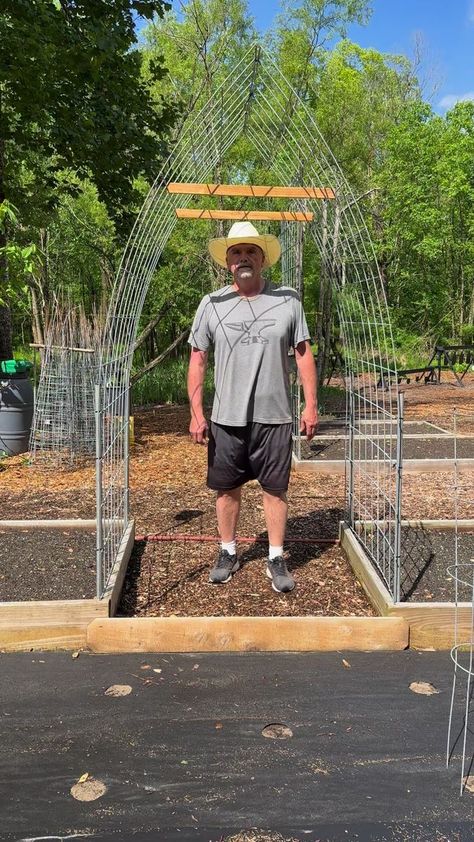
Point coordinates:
pixel 446 31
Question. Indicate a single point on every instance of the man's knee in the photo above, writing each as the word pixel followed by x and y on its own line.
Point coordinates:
pixel 281 495
pixel 230 493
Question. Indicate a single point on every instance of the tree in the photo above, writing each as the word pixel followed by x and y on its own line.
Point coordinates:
pixel 428 190
pixel 74 105
pixel 200 43
pixel 305 32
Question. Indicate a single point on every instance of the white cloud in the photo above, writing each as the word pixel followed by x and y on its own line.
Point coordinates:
pixel 450 100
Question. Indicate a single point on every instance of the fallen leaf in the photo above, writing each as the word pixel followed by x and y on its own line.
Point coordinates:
pixel 277 731
pixel 75 655
pixel 88 790
pixel 468 782
pixel 83 778
pixel 118 690
pixel 424 688
pixel 346 664
pixel 156 670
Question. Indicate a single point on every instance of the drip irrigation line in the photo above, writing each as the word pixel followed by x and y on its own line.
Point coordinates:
pixel 241 540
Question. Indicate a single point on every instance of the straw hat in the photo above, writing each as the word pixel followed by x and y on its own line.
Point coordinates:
pixel 244 232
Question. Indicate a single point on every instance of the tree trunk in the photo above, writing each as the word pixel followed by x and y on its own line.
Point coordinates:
pixel 169 350
pixel 6 333
pixel 36 320
pixel 324 316
pixel 152 324
pixel 471 309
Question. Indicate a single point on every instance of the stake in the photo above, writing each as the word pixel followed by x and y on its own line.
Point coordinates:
pixel 99 552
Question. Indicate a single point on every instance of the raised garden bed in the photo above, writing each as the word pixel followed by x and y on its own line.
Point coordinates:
pixel 428 552
pixel 36 564
pixel 168 495
pixel 441 447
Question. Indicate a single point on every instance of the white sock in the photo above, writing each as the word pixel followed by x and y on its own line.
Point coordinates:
pixel 229 546
pixel 273 552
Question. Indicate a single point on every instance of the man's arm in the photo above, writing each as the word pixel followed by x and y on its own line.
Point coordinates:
pixel 307 372
pixel 196 376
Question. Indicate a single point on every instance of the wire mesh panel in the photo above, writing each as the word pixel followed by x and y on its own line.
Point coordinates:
pixel 63 428
pixel 374 471
pixel 291 240
pixel 462 652
pixel 256 101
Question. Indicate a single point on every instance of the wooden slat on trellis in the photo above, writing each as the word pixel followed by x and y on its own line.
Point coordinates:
pixel 258 191
pixel 281 216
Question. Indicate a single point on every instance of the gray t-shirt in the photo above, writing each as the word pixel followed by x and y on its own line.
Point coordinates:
pixel 251 339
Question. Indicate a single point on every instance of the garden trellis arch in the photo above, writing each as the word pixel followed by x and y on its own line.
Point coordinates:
pixel 258 102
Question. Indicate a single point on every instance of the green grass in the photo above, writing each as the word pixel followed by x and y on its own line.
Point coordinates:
pixel 331 399
pixel 167 384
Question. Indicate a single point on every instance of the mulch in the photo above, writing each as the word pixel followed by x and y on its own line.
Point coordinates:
pixel 168 495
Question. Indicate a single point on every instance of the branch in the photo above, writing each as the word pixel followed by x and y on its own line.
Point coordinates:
pixel 138 376
pixel 152 324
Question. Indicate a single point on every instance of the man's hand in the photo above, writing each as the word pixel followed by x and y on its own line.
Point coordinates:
pixel 198 430
pixel 309 422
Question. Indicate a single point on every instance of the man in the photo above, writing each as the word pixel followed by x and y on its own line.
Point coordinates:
pixel 252 326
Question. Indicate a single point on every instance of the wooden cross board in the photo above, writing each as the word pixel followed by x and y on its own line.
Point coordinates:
pixel 258 191
pixel 283 216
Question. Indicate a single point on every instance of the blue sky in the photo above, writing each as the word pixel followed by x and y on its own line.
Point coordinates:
pixel 447 35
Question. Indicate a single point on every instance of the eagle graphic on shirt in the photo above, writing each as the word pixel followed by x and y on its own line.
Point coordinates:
pixel 252 330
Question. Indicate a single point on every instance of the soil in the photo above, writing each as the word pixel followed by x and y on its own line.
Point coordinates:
pixel 168 494
pixel 426 557
pixel 413 448
pixel 44 564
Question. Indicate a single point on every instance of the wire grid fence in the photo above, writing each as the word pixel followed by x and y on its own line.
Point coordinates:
pixel 291 241
pixel 63 428
pixel 257 101
pixel 462 652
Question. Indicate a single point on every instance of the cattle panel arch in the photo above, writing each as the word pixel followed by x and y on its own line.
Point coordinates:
pixel 257 102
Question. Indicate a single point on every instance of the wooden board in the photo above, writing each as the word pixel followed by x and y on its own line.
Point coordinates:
pixel 53 611
pixel 375 589
pixel 465 525
pixel 257 190
pixel 432 624
pixel 42 636
pixel 71 523
pixel 114 588
pixel 246 634
pixel 283 216
pixel 410 466
pixel 319 466
pixel 48 624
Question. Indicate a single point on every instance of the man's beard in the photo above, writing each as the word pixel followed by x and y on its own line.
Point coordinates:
pixel 245 273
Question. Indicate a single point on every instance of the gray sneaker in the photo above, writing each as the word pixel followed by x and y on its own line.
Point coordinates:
pixel 225 565
pixel 277 571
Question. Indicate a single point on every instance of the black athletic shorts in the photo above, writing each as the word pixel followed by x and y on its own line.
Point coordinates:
pixel 258 451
